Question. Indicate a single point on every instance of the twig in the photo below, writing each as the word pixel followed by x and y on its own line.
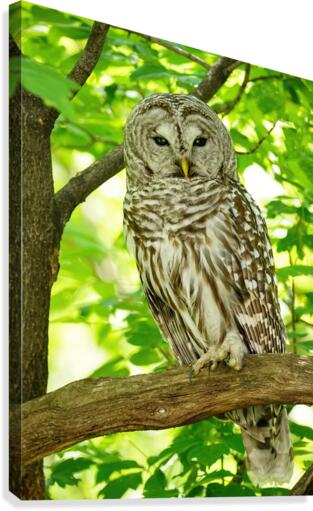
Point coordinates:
pixel 100 406
pixel 267 77
pixel 228 107
pixel 175 49
pixel 260 142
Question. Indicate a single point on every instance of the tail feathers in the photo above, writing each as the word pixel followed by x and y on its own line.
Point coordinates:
pixel 269 451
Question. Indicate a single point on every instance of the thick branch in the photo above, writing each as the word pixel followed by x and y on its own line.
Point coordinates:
pixel 215 78
pixel 81 185
pixel 93 407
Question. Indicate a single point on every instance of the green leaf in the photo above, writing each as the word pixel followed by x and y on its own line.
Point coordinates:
pixel 230 490
pixel 294 271
pixel 301 431
pixel 145 357
pixel 305 345
pixel 46 82
pixel 106 469
pixel 152 70
pixel 155 486
pixel 115 489
pixel 207 454
pixel 63 472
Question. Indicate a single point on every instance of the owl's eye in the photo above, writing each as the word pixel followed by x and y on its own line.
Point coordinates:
pixel 200 142
pixel 160 140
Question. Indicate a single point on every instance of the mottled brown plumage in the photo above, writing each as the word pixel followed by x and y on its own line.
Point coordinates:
pixel 204 256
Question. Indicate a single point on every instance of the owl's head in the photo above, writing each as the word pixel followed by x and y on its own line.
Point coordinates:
pixel 176 135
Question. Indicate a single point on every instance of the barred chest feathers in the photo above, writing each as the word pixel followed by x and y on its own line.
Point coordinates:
pixel 177 232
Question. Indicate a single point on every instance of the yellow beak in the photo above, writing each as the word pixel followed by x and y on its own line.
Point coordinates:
pixel 185 166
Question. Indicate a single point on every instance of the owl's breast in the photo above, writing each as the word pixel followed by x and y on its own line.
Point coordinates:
pixel 172 210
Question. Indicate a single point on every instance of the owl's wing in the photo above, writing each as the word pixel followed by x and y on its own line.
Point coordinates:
pixel 171 325
pixel 252 274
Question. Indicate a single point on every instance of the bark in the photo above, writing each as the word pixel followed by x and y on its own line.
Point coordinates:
pixel 215 78
pixel 33 262
pixel 93 407
pixel 31 218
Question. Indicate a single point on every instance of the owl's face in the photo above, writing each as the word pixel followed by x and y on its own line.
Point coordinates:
pixel 172 135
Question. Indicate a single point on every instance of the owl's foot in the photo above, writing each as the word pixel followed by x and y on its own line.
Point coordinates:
pixel 230 352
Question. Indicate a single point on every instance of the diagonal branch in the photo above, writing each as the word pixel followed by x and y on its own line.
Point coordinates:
pixel 259 143
pixel 305 484
pixel 176 49
pixel 228 107
pixel 215 78
pixel 90 55
pixel 80 186
pixel 100 406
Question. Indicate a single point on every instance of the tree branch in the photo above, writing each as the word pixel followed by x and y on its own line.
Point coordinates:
pixel 81 185
pixel 228 107
pixel 90 55
pixel 260 142
pixel 175 49
pixel 93 407
pixel 305 484
pixel 216 77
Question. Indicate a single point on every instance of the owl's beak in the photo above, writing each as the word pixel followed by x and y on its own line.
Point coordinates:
pixel 184 164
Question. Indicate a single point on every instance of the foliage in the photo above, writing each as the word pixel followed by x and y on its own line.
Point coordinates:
pixel 100 323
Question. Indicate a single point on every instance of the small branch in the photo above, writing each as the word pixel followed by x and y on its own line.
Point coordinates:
pixel 260 142
pixel 81 185
pixel 90 55
pixel 305 484
pixel 216 77
pixel 267 77
pixel 228 107
pixel 176 49
pixel 93 407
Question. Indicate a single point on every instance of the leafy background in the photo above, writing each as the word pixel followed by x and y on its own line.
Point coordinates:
pixel 100 324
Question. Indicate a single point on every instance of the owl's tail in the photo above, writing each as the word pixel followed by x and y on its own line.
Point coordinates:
pixel 268 447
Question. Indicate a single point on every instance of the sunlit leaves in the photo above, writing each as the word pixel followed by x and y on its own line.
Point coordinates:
pixel 44 81
pixel 65 472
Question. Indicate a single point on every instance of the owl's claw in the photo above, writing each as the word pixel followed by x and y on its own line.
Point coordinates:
pixel 230 352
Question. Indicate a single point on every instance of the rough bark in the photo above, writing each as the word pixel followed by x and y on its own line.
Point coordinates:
pixel 93 407
pixel 31 219
pixel 34 260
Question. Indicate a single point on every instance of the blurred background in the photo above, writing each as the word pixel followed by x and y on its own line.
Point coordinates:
pixel 100 324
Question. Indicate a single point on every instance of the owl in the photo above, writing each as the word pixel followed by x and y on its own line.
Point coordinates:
pixel 204 257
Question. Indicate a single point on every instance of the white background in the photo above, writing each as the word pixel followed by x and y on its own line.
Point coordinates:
pixel 277 34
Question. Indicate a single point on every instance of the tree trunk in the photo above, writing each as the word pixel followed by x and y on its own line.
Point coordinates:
pixel 32 236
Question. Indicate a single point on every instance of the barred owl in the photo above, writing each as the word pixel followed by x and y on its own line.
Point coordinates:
pixel 204 257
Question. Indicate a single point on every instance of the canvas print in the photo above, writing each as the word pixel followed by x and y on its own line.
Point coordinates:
pixel 161 304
